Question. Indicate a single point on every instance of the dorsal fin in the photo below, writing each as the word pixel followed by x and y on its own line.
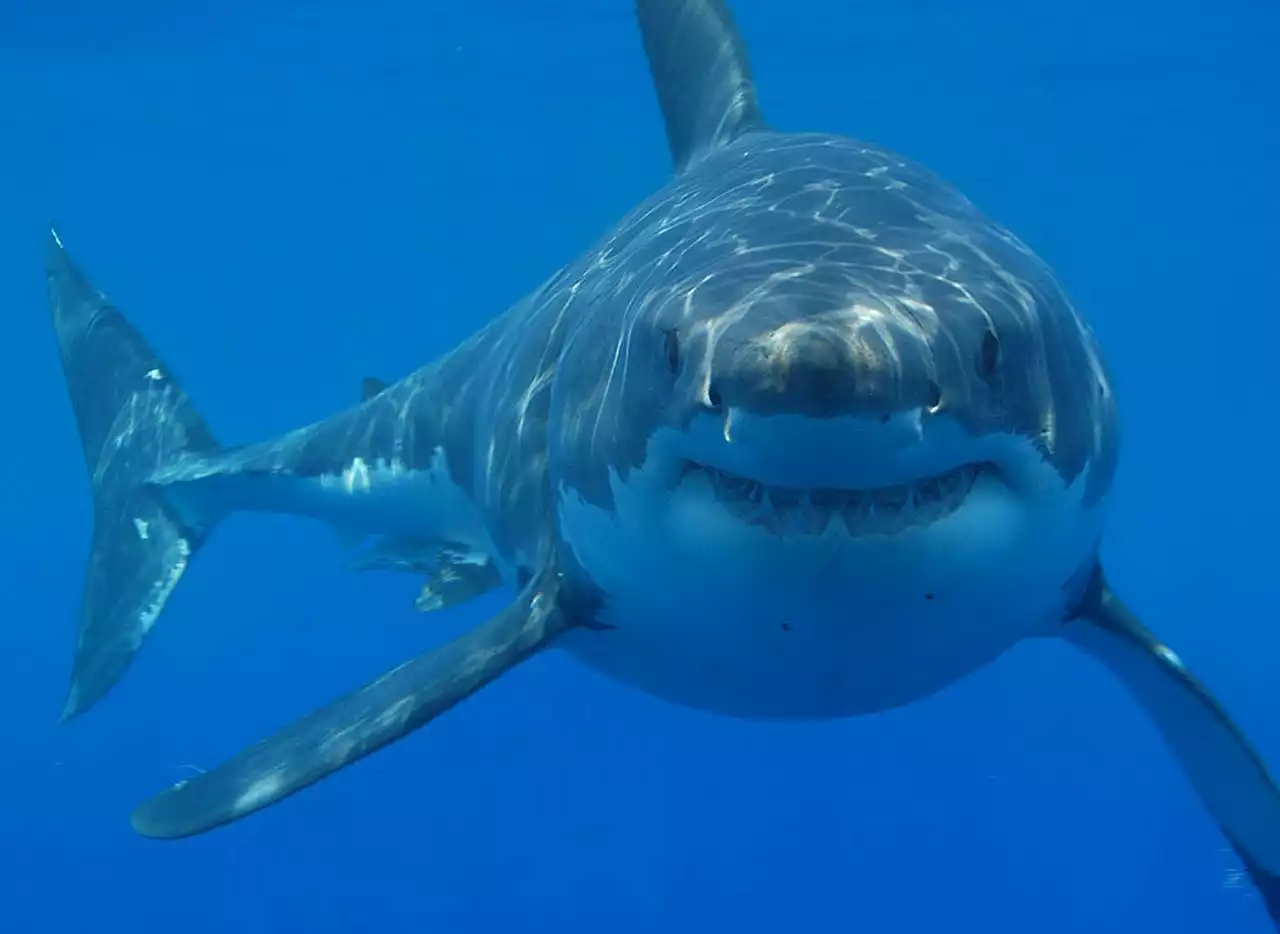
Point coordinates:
pixel 701 73
pixel 370 386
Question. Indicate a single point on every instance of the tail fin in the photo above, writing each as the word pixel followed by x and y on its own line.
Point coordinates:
pixel 133 417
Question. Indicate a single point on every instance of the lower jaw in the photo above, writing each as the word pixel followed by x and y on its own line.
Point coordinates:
pixel 847 513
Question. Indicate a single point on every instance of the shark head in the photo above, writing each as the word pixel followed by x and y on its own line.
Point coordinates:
pixel 826 426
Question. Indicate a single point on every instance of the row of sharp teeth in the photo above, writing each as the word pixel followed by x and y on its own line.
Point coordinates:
pixel 811 511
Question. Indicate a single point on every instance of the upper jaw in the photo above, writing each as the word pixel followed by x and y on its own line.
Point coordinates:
pixel 846 453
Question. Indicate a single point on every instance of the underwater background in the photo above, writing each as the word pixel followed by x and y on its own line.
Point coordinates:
pixel 286 197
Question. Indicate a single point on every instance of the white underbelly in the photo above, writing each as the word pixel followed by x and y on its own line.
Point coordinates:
pixel 714 615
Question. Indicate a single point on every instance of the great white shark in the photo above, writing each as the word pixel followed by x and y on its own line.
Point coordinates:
pixel 804 435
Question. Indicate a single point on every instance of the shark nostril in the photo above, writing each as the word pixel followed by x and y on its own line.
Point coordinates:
pixel 671 349
pixel 989 354
pixel 714 400
pixel 933 399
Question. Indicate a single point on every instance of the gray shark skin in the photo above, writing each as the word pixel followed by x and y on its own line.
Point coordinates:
pixel 805 435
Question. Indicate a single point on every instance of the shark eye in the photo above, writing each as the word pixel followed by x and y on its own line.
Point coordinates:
pixel 672 350
pixel 989 354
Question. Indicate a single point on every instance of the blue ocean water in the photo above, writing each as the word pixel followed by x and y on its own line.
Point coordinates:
pixel 288 197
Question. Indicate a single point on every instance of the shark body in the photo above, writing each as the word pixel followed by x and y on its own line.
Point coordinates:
pixel 805 435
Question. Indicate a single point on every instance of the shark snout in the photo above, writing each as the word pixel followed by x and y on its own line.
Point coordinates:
pixel 822 372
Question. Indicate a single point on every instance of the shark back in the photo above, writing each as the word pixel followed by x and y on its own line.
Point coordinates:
pixel 452 454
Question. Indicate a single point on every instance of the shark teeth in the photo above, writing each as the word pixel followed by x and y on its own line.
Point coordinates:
pixel 815 511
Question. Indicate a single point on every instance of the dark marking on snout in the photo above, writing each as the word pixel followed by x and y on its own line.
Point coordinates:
pixel 821 372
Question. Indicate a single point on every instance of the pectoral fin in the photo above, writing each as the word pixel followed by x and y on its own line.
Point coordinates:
pixel 1230 777
pixel 374 716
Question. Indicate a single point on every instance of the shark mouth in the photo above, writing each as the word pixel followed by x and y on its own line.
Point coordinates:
pixel 812 511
